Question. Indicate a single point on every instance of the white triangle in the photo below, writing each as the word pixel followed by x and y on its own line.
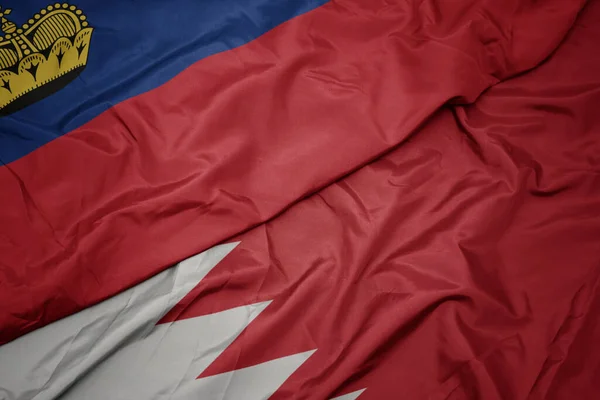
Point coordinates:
pixel 258 382
pixel 350 396
pixel 47 361
pixel 162 363
pixel 115 351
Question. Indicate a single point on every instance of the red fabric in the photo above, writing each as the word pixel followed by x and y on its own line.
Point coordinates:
pixel 237 137
pixel 463 265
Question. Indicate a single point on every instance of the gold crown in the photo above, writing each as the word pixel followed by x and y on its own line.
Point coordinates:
pixel 42 56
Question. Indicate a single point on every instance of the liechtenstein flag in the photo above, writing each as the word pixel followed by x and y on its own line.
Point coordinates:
pixel 135 134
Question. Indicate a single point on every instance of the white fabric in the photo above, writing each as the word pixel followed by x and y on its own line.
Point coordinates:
pixel 44 363
pixel 115 350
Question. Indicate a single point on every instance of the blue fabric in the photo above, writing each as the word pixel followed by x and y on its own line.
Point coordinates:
pixel 136 46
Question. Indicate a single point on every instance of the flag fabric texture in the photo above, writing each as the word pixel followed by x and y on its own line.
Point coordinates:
pixel 375 200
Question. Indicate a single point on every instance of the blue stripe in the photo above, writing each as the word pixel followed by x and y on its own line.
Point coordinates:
pixel 136 46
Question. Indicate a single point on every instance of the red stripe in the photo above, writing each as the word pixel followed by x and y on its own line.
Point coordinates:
pixel 459 266
pixel 238 136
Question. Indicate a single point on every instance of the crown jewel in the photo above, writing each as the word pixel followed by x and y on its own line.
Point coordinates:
pixel 42 56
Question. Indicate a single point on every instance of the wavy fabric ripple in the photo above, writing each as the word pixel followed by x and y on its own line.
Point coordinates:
pixel 461 265
pixel 237 137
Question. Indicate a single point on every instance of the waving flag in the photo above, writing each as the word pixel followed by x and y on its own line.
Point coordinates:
pixel 165 144
pixel 461 264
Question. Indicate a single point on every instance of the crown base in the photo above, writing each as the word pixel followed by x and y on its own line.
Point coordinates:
pixel 41 92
